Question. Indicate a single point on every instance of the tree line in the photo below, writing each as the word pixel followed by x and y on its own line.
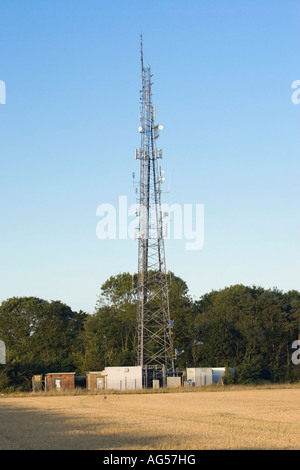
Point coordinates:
pixel 251 329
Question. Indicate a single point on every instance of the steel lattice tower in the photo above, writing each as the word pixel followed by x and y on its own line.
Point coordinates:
pixel 154 330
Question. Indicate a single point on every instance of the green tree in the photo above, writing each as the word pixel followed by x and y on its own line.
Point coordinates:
pixel 181 314
pixel 249 328
pixel 40 337
pixel 111 330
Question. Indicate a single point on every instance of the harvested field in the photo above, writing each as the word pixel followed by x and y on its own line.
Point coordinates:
pixel 231 419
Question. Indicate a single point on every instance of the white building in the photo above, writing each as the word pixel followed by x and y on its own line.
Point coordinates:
pixel 123 378
pixel 204 375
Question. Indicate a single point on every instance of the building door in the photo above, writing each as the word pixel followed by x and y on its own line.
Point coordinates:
pixel 57 384
pixel 100 383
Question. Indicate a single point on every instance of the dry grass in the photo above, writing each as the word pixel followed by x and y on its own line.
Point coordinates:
pixel 232 418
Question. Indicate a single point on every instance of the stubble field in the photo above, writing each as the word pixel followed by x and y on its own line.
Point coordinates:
pixel 228 419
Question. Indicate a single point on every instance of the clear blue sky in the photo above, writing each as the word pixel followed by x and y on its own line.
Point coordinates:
pixel 222 70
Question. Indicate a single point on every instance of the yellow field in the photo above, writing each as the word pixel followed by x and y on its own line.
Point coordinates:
pixel 229 419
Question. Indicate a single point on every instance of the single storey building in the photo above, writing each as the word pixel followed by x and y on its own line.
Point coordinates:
pixel 205 375
pixel 123 378
pixel 60 381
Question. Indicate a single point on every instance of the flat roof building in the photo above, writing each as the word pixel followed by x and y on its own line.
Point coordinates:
pixel 59 381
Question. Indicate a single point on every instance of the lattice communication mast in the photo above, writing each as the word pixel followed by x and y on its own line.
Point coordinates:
pixel 154 328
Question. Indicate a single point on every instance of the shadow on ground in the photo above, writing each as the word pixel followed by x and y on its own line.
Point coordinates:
pixel 36 430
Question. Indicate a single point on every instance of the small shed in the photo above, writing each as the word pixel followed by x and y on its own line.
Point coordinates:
pixel 59 381
pixel 95 380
